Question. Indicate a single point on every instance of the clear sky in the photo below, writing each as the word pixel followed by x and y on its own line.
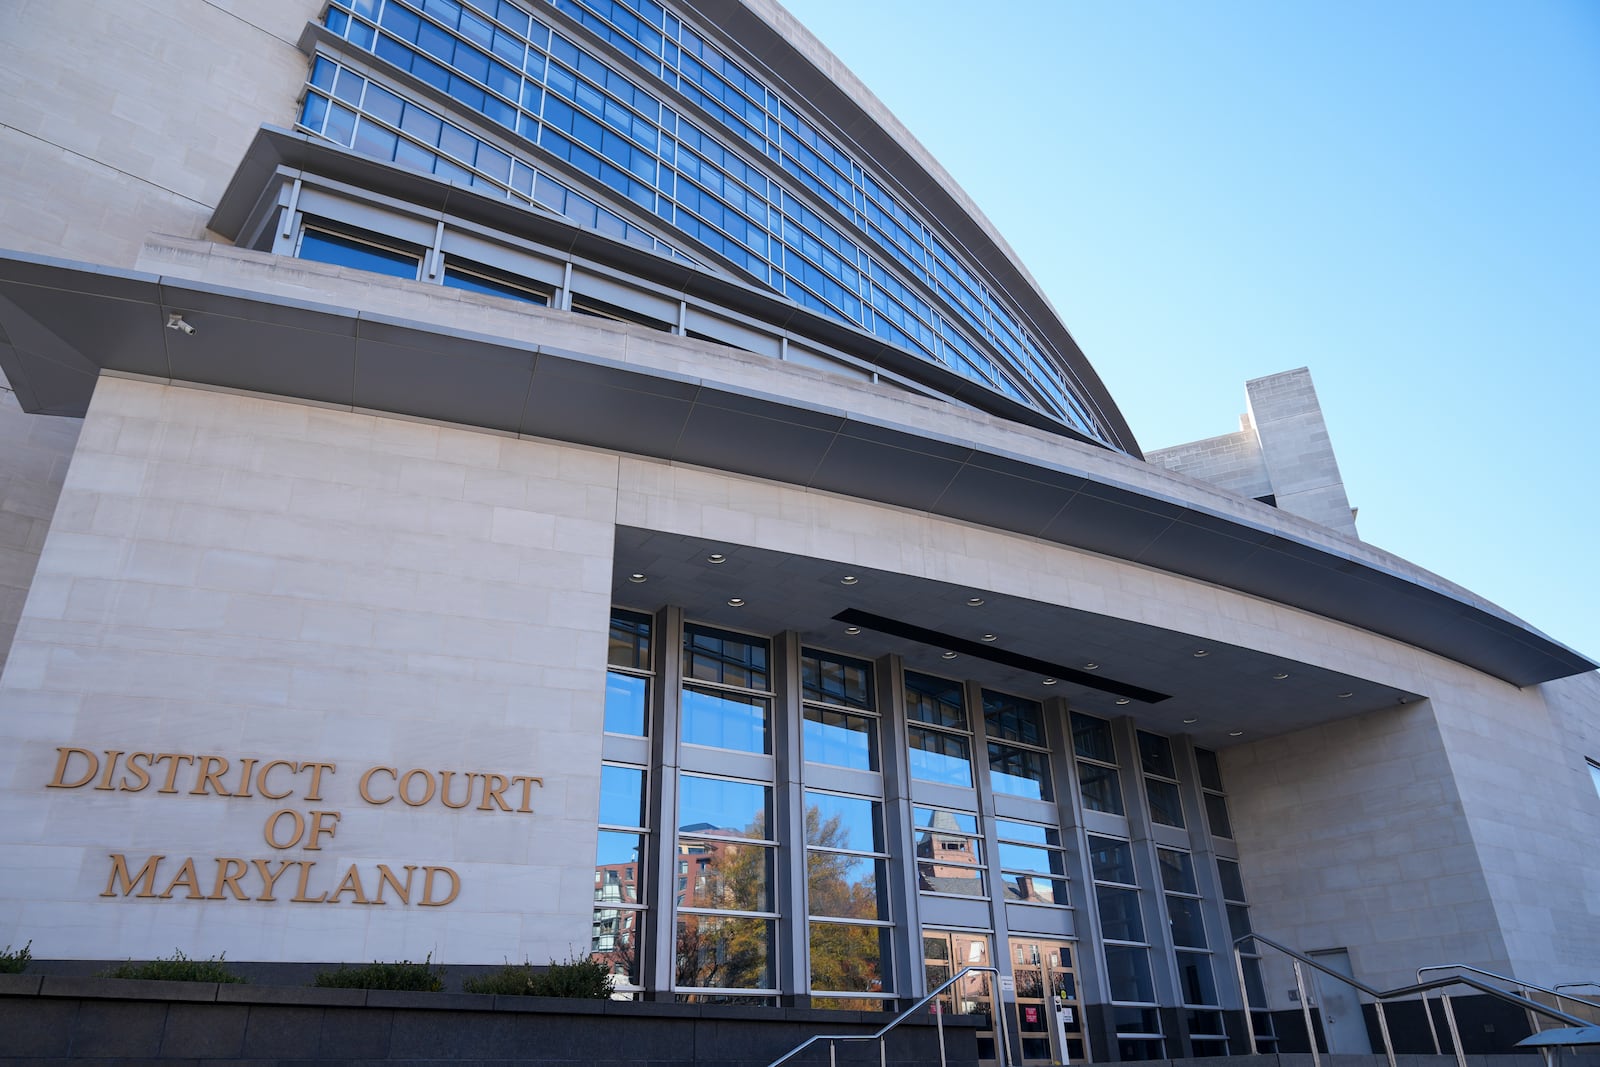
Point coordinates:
pixel 1403 197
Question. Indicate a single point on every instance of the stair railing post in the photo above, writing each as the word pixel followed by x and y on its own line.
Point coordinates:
pixel 1455 1033
pixel 1433 1030
pixel 1383 1028
pixel 938 1015
pixel 1244 995
pixel 1305 1010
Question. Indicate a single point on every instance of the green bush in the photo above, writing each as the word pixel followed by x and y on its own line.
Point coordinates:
pixel 407 976
pixel 16 962
pixel 584 979
pixel 176 968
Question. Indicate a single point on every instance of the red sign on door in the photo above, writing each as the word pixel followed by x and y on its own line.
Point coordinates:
pixel 1030 1014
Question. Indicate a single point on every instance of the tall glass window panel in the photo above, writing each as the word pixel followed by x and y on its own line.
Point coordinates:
pixel 1177 871
pixel 627 701
pixel 621 862
pixel 1217 815
pixel 1111 860
pixel 325 246
pixel 720 719
pixel 1155 755
pixel 1188 927
pixel 840 738
pixel 949 852
pixel 721 875
pixel 724 952
pixel 1033 865
pixel 726 658
pixel 621 795
pixel 1099 781
pixel 1120 919
pixel 1160 780
pixel 1019 772
pixel 1012 718
pixel 937 733
pixel 830 679
pixel 1196 980
pixel 1128 974
pixel 847 958
pixel 724 806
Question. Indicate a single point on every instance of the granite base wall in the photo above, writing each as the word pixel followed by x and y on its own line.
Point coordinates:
pixel 50 1020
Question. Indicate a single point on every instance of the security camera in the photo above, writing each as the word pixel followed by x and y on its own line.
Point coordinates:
pixel 176 321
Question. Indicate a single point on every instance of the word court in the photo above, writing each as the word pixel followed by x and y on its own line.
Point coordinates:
pixel 301 782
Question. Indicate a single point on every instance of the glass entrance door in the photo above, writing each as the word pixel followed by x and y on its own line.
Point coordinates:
pixel 1049 1012
pixel 946 952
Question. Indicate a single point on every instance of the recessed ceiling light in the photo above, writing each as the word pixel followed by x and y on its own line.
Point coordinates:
pixel 736 602
pixel 716 557
pixel 849 579
pixel 1049 681
pixel 1201 653
pixel 948 655
pixel 990 637
pixel 975 601
pixel 1124 700
pixel 1091 666
pixel 1280 676
pixel 1191 720
pixel 852 630
pixel 636 578
pixel 1235 733
pixel 1346 696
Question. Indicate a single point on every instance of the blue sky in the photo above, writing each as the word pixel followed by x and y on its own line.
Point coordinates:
pixel 1404 197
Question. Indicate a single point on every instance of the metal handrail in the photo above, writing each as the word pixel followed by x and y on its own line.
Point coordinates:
pixel 1561 998
pixel 1379 996
pixel 1001 1039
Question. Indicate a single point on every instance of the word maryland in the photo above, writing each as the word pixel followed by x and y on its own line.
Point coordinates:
pixel 303 782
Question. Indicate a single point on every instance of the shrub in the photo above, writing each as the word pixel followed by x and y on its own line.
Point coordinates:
pixel 176 968
pixel 584 979
pixel 406 976
pixel 16 962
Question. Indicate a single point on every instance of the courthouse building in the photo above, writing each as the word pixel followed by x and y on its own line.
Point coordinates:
pixel 502 479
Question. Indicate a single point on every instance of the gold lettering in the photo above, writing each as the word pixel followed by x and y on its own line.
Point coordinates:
pixel 405 792
pixel 444 789
pixel 225 880
pixel 120 878
pixel 493 786
pixel 175 760
pixel 427 886
pixel 315 792
pixel 245 767
pixel 527 791
pixel 318 831
pixel 350 883
pixel 60 779
pixel 366 780
pixel 186 876
pixel 261 779
pixel 139 772
pixel 387 877
pixel 271 830
pixel 210 777
pixel 111 765
pixel 300 888
pixel 268 879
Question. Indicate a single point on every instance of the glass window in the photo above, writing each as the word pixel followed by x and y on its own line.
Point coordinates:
pixel 621 795
pixel 840 738
pixel 1092 739
pixel 1155 754
pixel 1210 775
pixel 1195 978
pixel 725 658
pixel 1011 718
pixel 837 680
pixel 478 282
pixel 327 247
pixel 1188 928
pixel 949 852
pixel 723 875
pixel 1217 815
pixel 724 720
pixel 630 640
pixel 846 886
pixel 834 821
pixel 1594 774
pixel 847 958
pixel 723 952
pixel 935 701
pixel 940 757
pixel 1033 864
pixel 1128 973
pixel 1232 882
pixel 1100 787
pixel 1111 860
pixel 625 704
pixel 1120 919
pixel 1166 807
pixel 1177 871
pixel 723 806
pixel 1019 772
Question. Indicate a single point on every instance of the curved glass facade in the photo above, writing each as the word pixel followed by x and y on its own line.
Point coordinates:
pixel 757 184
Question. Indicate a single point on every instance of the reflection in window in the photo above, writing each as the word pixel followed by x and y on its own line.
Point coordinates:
pixel 620 866
pixel 1160 780
pixel 724 720
pixel 324 246
pixel 940 757
pixel 949 852
pixel 715 952
pixel 1033 865
pixel 846 900
pixel 1098 780
pixel 940 748
pixel 839 738
pixel 479 282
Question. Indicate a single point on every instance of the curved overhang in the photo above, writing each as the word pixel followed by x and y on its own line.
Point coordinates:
pixel 765 34
pixel 63 324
